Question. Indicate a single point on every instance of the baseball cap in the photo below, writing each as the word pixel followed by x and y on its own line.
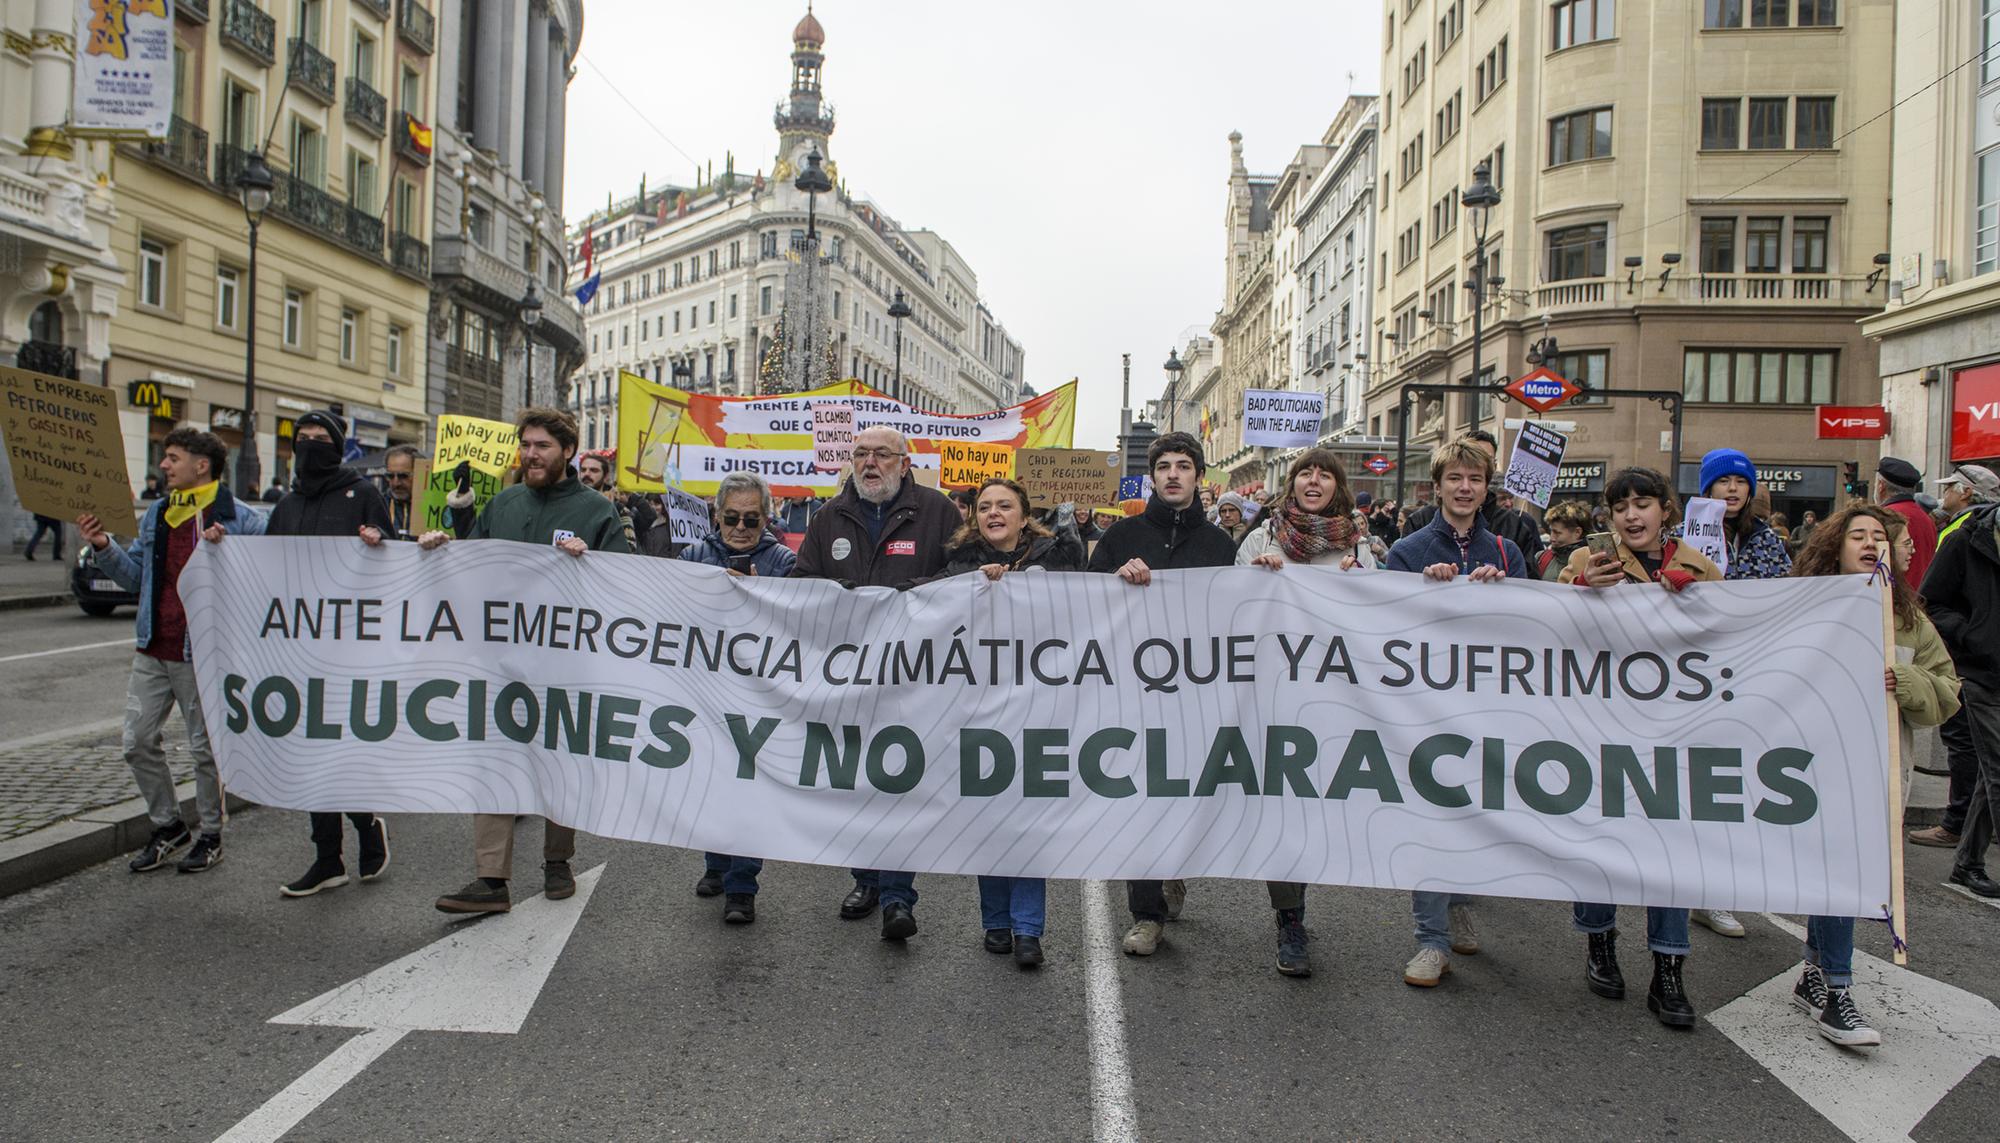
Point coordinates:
pixel 1974 478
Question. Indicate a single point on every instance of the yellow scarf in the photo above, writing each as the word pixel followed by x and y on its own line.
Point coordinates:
pixel 187 503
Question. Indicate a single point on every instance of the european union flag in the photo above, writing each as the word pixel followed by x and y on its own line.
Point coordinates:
pixel 1135 487
pixel 588 290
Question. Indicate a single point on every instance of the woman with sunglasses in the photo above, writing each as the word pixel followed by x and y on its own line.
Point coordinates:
pixel 999 538
pixel 741 546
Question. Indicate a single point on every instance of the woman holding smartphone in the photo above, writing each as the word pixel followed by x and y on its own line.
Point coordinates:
pixel 1925 687
pixel 1637 550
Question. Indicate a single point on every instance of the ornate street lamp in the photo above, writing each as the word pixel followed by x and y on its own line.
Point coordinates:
pixel 253 187
pixel 531 316
pixel 1479 200
pixel 899 309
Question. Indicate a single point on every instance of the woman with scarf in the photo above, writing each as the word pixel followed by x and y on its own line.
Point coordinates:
pixel 1000 537
pixel 1926 689
pixel 1312 522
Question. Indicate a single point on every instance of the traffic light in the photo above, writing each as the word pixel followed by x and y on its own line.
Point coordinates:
pixel 1850 472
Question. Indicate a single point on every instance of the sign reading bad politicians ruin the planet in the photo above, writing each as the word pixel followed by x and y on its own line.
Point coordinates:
pixel 1723 747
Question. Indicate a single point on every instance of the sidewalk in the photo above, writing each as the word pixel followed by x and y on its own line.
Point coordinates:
pixel 44 582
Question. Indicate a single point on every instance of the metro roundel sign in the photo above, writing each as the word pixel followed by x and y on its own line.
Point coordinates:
pixel 1378 464
pixel 1542 390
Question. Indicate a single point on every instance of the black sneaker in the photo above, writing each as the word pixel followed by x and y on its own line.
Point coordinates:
pixel 710 884
pixel 477 897
pixel 1293 960
pixel 557 881
pixel 206 854
pixel 375 850
pixel 166 841
pixel 1842 1024
pixel 324 874
pixel 898 922
pixel 1809 994
pixel 739 909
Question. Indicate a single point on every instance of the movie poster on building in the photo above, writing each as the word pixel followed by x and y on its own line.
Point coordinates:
pixel 123 84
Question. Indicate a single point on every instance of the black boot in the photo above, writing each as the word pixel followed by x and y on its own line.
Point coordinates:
pixel 1667 998
pixel 1600 971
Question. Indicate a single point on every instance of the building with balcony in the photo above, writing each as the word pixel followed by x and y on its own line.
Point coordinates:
pixel 1242 327
pixel 498 155
pixel 59 281
pixel 694 278
pixel 1693 196
pixel 338 306
pixel 1334 228
pixel 1940 335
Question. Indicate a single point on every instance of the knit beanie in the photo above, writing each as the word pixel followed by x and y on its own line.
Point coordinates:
pixel 1722 462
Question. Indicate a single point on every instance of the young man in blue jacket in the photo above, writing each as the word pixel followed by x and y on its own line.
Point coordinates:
pixel 1455 542
pixel 162 673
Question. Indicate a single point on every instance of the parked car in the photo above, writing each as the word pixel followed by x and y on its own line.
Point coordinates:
pixel 96 593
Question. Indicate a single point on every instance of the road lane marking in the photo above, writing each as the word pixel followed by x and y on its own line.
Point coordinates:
pixel 480 978
pixel 66 650
pixel 1113 1116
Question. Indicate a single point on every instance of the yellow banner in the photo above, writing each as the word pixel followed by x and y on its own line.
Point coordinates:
pixel 489 445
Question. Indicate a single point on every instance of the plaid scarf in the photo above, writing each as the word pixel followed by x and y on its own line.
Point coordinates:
pixel 1303 535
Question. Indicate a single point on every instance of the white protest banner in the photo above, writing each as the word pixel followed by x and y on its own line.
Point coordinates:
pixel 123 86
pixel 833 434
pixel 796 467
pixel 1536 465
pixel 1724 747
pixel 1281 418
pixel 793 414
pixel 1704 520
pixel 687 515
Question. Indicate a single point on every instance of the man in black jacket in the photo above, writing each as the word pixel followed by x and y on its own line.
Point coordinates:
pixel 330 499
pixel 1962 593
pixel 882 530
pixel 1511 523
pixel 1173 533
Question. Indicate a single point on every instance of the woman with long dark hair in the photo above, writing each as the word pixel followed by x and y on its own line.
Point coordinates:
pixel 1925 687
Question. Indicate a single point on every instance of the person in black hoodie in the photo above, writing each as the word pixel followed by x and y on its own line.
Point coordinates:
pixel 1962 594
pixel 1511 523
pixel 330 499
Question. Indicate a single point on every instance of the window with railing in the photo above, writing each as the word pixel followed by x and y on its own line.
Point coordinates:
pixel 1718 246
pixel 1763 240
pixel 1759 376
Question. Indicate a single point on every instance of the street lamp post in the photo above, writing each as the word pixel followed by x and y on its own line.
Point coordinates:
pixel 1174 369
pixel 899 309
pixel 1479 200
pixel 531 316
pixel 814 181
pixel 683 375
pixel 253 186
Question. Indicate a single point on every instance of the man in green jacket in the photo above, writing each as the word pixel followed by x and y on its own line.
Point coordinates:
pixel 549 506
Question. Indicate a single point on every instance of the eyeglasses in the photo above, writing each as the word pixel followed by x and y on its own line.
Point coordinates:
pixel 862 454
pixel 742 520
pixel 400 475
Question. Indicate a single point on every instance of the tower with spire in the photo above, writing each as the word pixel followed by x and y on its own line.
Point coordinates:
pixel 805 119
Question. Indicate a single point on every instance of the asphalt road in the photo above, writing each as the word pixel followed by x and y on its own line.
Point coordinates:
pixel 138 1006
pixel 55 678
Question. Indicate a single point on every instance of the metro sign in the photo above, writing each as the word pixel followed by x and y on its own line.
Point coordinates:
pixel 1378 464
pixel 1853 422
pixel 1542 390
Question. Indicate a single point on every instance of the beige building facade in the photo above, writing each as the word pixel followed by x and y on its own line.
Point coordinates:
pixel 1242 327
pixel 1693 199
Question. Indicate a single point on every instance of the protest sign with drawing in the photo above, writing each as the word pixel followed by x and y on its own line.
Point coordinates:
pixel 1536 465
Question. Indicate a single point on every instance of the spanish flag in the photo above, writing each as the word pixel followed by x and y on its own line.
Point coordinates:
pixel 420 135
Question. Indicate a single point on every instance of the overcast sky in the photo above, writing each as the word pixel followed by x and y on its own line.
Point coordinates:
pixel 1075 153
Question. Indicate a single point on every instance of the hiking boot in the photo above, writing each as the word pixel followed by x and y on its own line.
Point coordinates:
pixel 1721 922
pixel 1426 968
pixel 480 896
pixel 1464 938
pixel 1028 951
pixel 739 909
pixel 1600 970
pixel 1841 1022
pixel 165 842
pixel 557 881
pixel 1176 894
pixel 204 856
pixel 710 884
pixel 1976 881
pixel 899 922
pixel 1937 837
pixel 374 860
pixel 999 942
pixel 326 873
pixel 1667 997
pixel 1809 994
pixel 1293 960
pixel 1143 938
pixel 859 902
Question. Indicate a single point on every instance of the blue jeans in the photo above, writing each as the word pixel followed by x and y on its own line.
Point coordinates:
pixel 1830 945
pixel 739 874
pixel 1433 914
pixel 894 884
pixel 1017 903
pixel 1666 929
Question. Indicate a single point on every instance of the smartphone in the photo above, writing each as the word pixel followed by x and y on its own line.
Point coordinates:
pixel 1602 543
pixel 741 563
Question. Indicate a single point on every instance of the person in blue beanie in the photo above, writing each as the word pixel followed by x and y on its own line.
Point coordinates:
pixel 1756 551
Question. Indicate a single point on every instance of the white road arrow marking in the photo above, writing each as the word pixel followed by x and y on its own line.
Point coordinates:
pixel 484 978
pixel 1933 1035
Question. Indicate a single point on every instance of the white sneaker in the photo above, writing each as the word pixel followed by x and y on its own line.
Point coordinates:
pixel 1721 921
pixel 1426 968
pixel 1464 938
pixel 1143 938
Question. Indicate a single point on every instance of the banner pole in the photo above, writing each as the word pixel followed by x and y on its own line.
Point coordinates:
pixel 1899 933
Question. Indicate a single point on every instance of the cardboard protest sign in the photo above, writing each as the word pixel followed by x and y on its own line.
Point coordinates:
pixel 1067 476
pixel 687 515
pixel 833 435
pixel 66 449
pixel 439 482
pixel 1704 522
pixel 969 465
pixel 1536 465
pixel 489 445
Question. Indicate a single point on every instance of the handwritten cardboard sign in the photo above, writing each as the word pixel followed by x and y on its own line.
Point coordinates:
pixel 968 465
pixel 489 445
pixel 65 448
pixel 1068 476
pixel 833 434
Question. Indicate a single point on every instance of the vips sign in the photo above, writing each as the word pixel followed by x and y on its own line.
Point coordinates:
pixel 1975 413
pixel 1853 422
pixel 65 448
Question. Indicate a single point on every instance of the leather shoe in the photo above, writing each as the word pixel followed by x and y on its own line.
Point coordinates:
pixel 860 902
pixel 898 922
pixel 1000 941
pixel 1937 837
pixel 1028 952
pixel 1977 881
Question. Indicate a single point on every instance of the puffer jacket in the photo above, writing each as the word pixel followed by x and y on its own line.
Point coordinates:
pixel 1763 555
pixel 771 558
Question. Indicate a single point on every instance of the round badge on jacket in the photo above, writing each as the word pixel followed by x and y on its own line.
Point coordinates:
pixel 842 548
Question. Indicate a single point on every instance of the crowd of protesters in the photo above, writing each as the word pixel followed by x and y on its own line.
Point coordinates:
pixel 886 529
